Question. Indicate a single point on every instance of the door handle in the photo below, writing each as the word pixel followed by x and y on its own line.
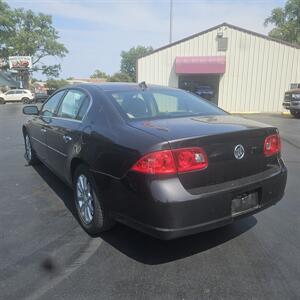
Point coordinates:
pixel 43 130
pixel 67 138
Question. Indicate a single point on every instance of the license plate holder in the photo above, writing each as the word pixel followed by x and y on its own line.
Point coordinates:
pixel 244 203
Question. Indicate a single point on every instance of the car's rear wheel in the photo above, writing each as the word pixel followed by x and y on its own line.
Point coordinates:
pixel 89 203
pixel 26 100
pixel 2 101
pixel 29 152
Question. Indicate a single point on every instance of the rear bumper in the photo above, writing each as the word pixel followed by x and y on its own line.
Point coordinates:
pixel 173 233
pixel 164 209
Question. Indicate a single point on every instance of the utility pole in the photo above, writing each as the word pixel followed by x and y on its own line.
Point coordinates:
pixel 171 21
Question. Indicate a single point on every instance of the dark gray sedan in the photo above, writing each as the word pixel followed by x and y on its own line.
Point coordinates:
pixel 161 160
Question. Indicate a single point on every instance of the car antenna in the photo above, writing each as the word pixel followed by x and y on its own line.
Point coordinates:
pixel 143 85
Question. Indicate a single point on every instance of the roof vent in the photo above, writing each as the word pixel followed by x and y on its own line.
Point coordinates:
pixel 222 43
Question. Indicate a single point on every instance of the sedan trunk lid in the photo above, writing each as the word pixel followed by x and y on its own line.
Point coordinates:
pixel 218 136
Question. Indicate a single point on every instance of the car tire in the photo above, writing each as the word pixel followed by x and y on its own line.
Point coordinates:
pixel 26 100
pixel 296 114
pixel 88 202
pixel 30 155
pixel 2 101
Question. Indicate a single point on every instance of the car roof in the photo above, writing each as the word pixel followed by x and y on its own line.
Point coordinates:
pixel 117 86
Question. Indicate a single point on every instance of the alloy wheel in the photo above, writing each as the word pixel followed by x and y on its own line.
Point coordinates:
pixel 28 148
pixel 85 200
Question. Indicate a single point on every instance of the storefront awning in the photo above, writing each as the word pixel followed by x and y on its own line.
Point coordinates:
pixel 200 64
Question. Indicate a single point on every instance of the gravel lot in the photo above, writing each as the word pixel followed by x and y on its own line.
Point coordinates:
pixel 44 253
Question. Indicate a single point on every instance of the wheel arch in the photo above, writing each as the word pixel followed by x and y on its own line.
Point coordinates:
pixel 75 162
pixel 101 180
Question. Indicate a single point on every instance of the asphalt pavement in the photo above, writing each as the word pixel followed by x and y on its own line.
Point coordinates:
pixel 44 253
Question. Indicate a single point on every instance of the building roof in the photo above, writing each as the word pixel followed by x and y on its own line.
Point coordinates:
pixel 230 26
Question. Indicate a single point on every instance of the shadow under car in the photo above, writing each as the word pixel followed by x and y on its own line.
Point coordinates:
pixel 144 248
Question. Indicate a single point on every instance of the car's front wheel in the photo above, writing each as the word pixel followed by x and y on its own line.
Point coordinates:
pixel 89 203
pixel 30 155
pixel 2 101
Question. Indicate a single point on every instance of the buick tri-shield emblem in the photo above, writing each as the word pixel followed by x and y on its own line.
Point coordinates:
pixel 239 151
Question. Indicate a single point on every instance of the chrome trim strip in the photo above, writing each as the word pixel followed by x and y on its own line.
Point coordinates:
pixel 66 119
pixel 65 155
pixel 106 174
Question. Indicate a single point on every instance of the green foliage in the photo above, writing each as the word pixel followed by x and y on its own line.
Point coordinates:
pixel 55 84
pixel 119 77
pixel 129 59
pixel 24 32
pixel 6 22
pixel 286 21
pixel 99 74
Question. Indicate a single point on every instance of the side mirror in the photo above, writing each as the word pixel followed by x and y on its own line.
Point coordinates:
pixel 30 110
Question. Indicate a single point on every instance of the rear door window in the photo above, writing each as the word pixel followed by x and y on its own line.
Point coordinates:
pixel 83 110
pixel 74 105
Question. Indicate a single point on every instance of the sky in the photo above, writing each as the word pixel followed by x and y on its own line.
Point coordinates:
pixel 96 31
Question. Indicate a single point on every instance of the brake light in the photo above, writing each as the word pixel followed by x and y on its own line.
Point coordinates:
pixel 190 159
pixel 172 161
pixel 160 162
pixel 272 145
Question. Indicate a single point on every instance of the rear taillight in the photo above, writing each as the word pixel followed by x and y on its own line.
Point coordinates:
pixel 172 161
pixel 272 145
pixel 160 162
pixel 190 159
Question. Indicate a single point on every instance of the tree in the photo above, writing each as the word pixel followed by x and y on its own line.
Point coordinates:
pixel 6 22
pixel 119 77
pixel 99 74
pixel 286 21
pixel 23 32
pixel 55 84
pixel 130 57
pixel 6 28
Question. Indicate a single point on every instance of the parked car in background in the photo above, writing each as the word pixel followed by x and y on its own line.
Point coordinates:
pixel 22 95
pixel 159 159
pixel 204 91
pixel 40 97
pixel 291 102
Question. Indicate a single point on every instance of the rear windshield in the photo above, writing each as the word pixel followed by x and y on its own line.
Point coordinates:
pixel 161 103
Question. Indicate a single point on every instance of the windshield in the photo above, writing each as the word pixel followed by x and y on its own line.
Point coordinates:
pixel 161 103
